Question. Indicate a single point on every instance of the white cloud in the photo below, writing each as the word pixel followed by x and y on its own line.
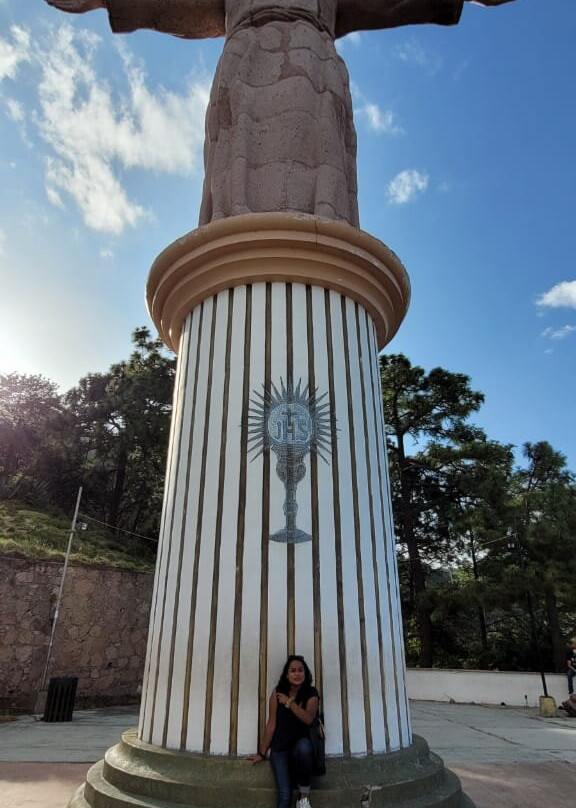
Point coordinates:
pixel 93 135
pixel 106 254
pixel 563 295
pixel 15 110
pixel 96 134
pixel 378 120
pixel 412 52
pixel 55 198
pixel 559 333
pixel 353 38
pixel 406 186
pixel 13 54
pixel 92 184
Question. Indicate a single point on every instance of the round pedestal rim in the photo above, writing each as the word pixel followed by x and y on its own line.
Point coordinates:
pixel 284 247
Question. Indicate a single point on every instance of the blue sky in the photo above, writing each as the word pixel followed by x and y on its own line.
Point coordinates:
pixel 467 169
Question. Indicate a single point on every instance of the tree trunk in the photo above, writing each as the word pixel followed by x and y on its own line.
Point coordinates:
pixel 424 619
pixel 116 498
pixel 558 644
pixel 480 608
pixel 418 577
pixel 417 573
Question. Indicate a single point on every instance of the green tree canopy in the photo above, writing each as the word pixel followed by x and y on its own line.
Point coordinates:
pixel 123 419
pixel 30 410
pixel 424 410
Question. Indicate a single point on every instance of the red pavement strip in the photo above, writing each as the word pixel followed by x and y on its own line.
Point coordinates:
pixel 513 785
pixel 519 785
pixel 39 785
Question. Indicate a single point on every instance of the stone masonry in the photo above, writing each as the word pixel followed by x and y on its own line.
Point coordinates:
pixel 100 636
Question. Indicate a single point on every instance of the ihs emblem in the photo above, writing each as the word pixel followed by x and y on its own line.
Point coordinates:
pixel 290 422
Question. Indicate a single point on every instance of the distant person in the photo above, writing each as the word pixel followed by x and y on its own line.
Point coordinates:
pixel 570 705
pixel 292 708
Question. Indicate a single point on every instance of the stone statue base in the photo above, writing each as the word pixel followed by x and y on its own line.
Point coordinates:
pixel 137 774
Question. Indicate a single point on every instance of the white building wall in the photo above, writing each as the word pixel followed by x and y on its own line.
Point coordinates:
pixel 510 688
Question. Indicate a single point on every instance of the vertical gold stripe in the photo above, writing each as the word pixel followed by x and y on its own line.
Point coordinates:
pixel 393 582
pixel 166 532
pixel 182 531
pixel 240 530
pixel 337 529
pixel 218 533
pixel 314 507
pixel 263 665
pixel 357 535
pixel 198 543
pixel 367 393
pixel 163 611
pixel 379 418
pixel 290 565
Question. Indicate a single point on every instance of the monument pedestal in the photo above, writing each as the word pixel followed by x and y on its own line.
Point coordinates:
pixel 277 534
pixel 142 776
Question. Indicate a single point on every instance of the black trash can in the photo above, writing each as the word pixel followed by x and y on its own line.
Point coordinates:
pixel 60 698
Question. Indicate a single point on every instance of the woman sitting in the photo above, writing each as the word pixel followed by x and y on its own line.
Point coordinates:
pixel 293 707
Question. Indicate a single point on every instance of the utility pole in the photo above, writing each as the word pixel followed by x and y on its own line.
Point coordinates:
pixel 41 694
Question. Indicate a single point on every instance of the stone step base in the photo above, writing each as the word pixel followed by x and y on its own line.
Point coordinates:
pixel 138 775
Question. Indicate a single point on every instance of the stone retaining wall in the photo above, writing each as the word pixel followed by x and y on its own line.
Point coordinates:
pixel 100 635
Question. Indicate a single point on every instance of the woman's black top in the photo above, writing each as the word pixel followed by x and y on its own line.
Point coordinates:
pixel 290 729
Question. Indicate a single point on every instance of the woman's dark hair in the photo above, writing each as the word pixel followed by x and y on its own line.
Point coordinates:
pixel 283 685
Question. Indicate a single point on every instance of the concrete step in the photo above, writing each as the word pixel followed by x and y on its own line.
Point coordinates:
pixel 189 779
pixel 99 792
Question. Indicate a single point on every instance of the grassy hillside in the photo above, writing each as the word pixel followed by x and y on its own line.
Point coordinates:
pixel 44 536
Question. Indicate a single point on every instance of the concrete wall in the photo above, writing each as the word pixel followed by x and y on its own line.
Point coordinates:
pixel 484 687
pixel 100 635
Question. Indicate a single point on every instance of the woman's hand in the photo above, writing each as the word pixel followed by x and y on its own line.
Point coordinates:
pixel 77 6
pixel 283 699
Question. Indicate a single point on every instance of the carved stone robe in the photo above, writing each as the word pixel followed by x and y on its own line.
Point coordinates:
pixel 279 128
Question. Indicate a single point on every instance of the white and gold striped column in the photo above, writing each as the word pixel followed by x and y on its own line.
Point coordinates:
pixel 252 304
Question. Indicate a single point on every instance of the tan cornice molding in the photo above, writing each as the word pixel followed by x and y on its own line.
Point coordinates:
pixel 284 247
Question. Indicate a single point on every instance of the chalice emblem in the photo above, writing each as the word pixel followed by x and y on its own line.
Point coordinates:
pixel 291 422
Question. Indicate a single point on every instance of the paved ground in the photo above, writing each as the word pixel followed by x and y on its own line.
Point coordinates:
pixel 504 757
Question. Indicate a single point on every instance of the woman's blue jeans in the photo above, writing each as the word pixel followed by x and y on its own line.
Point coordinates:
pixel 293 768
pixel 570 674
